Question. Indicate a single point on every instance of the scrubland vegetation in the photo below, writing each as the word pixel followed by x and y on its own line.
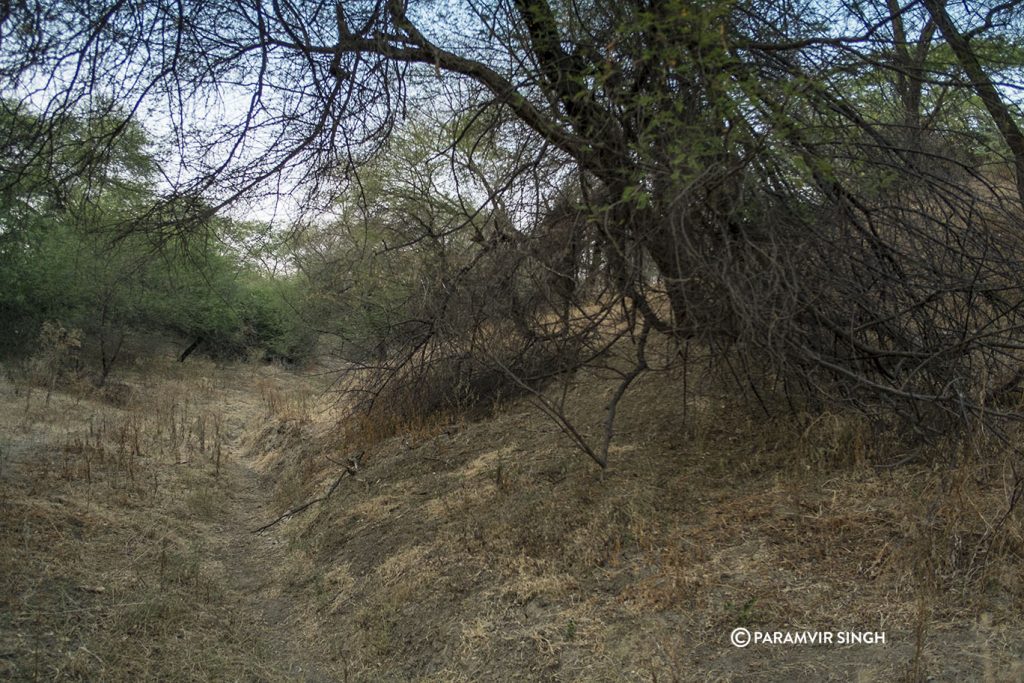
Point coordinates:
pixel 526 340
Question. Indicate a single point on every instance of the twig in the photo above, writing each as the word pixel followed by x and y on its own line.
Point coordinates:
pixel 351 469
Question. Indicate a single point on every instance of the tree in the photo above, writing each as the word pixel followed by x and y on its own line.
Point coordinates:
pixel 982 84
pixel 64 256
pixel 721 157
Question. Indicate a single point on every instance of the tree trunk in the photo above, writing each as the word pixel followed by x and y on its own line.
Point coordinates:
pixel 983 86
pixel 188 352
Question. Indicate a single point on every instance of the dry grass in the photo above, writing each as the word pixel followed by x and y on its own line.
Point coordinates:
pixel 118 528
pixel 488 550
pixel 493 550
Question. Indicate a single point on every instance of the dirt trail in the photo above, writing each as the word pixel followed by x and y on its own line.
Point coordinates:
pixel 103 547
pixel 252 561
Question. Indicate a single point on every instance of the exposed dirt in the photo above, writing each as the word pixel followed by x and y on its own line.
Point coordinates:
pixel 251 564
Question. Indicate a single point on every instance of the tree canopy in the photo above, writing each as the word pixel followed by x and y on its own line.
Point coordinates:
pixel 830 190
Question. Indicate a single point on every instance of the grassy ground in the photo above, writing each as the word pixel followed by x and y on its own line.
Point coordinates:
pixel 486 550
pixel 127 553
pixel 494 551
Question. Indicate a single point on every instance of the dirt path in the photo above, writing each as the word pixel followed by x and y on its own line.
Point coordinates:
pixel 102 548
pixel 252 562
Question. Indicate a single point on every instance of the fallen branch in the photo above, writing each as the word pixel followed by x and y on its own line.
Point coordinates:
pixel 350 469
pixel 191 347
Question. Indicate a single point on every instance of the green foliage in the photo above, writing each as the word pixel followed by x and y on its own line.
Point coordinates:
pixel 66 256
pixel 374 274
pixel 275 314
